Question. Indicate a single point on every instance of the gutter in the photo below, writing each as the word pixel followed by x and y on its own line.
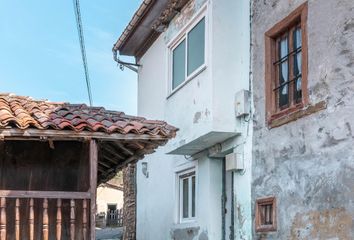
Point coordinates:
pixel 134 22
pixel 122 64
pixel 144 7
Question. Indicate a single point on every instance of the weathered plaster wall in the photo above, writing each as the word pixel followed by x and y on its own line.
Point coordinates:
pixel 309 164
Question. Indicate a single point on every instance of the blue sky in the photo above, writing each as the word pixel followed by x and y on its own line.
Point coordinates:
pixel 40 52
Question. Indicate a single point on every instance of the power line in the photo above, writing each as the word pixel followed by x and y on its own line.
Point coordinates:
pixel 76 4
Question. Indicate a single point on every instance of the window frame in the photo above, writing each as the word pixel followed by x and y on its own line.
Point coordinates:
pixel 298 18
pixel 186 174
pixel 261 228
pixel 183 35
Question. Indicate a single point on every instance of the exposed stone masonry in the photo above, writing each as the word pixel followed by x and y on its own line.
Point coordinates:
pixel 129 208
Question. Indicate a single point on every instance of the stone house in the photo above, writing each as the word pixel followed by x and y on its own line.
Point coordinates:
pixel 303 86
pixel 261 93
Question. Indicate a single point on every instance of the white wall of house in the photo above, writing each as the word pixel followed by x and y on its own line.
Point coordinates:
pixel 106 196
pixel 203 106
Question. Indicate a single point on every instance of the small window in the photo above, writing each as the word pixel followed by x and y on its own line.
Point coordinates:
pixel 286 65
pixel 266 215
pixel 187 195
pixel 189 55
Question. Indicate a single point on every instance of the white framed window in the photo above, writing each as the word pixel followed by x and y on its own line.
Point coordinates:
pixel 188 53
pixel 187 195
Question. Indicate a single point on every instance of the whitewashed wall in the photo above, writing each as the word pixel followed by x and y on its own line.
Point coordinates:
pixel 204 104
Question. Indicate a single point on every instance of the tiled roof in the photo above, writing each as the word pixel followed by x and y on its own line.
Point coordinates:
pixel 25 113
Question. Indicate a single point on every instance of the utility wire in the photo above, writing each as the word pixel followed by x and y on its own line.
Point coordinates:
pixel 76 4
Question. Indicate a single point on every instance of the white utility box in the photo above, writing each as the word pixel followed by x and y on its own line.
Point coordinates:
pixel 234 162
pixel 242 103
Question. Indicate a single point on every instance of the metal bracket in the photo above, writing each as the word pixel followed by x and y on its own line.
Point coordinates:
pixel 132 66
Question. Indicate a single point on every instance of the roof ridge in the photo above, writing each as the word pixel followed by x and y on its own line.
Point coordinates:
pixel 13 95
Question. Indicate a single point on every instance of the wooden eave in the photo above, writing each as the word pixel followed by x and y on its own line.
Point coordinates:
pixel 142 31
pixel 115 150
pixel 27 134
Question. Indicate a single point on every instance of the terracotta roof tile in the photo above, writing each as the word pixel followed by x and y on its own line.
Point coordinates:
pixel 24 112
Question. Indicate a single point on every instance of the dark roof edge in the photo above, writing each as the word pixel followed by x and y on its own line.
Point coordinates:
pixel 134 22
pixel 162 20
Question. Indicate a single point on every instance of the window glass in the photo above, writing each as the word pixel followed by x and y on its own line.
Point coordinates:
pixel 193 196
pixel 196 47
pixel 185 198
pixel 283 73
pixel 179 65
pixel 297 64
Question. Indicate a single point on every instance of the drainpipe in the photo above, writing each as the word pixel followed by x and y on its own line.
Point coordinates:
pixel 122 64
pixel 232 227
pixel 223 200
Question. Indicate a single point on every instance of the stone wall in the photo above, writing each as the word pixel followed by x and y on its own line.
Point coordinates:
pixel 308 164
pixel 129 207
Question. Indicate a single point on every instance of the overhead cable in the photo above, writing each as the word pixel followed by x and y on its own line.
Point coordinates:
pixel 76 4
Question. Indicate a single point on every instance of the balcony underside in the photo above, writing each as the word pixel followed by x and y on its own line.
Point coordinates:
pixel 203 142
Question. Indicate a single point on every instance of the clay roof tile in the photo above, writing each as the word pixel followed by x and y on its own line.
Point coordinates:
pixel 24 112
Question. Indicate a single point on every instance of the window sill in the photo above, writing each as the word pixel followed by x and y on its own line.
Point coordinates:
pixel 191 77
pixel 186 224
pixel 293 113
pixel 266 228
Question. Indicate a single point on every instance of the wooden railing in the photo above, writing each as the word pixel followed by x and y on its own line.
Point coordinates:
pixel 44 215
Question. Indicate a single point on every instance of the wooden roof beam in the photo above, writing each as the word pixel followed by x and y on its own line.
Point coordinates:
pixel 104 164
pixel 124 149
pixel 110 159
pixel 112 151
pixel 38 134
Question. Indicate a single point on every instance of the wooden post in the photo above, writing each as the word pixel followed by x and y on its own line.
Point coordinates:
pixel 3 219
pixel 17 219
pixel 58 233
pixel 84 219
pixel 93 185
pixel 31 220
pixel 45 220
pixel 72 219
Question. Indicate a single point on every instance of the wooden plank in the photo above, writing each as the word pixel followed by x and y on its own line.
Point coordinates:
pixel 84 219
pixel 93 187
pixel 72 219
pixel 100 169
pixel 112 151
pixel 104 165
pixel 58 223
pixel 38 134
pixel 139 145
pixel 17 219
pixel 31 219
pixel 121 146
pixel 45 224
pixel 3 218
pixel 108 158
pixel 44 194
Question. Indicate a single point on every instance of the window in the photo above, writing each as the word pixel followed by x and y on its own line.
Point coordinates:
pixel 266 215
pixel 286 65
pixel 187 195
pixel 189 55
